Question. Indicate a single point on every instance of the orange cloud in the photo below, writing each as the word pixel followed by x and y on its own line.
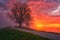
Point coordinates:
pixel 41 21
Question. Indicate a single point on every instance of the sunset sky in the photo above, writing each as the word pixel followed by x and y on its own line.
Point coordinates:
pixel 42 14
pixel 43 18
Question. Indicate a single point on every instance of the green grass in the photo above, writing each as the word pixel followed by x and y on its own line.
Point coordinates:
pixel 11 34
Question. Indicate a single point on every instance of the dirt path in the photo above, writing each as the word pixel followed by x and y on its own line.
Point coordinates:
pixel 43 34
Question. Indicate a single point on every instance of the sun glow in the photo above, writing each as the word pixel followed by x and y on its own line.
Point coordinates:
pixel 42 22
pixel 36 24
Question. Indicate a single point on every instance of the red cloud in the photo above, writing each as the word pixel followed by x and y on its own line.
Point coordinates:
pixel 40 20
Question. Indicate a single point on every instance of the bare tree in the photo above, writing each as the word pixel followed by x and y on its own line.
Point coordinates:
pixel 21 13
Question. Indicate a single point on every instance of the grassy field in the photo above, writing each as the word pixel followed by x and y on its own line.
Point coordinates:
pixel 10 34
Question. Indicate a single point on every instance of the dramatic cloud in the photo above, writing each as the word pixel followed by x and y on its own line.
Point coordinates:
pixel 5 21
pixel 40 19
